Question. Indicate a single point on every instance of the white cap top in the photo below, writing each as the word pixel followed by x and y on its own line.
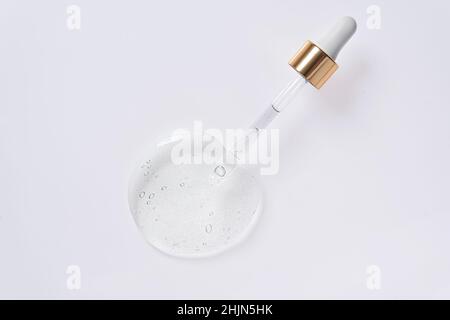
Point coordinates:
pixel 334 40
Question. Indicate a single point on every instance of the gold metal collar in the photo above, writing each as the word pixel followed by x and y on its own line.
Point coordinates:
pixel 313 64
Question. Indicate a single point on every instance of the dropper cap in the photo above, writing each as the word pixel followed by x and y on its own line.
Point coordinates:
pixel 315 61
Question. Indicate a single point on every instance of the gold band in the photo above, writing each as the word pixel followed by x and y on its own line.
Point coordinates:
pixel 313 64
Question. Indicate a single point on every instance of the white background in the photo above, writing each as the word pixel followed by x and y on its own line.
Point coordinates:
pixel 364 177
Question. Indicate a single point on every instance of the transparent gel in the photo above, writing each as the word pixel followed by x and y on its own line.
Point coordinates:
pixel 191 210
pixel 197 210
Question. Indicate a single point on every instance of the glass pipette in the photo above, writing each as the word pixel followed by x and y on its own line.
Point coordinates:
pixel 177 208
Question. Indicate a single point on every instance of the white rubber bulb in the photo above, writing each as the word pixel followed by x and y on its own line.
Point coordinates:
pixel 334 40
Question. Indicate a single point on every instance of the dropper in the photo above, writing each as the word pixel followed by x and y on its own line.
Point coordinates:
pixel 193 211
pixel 315 63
